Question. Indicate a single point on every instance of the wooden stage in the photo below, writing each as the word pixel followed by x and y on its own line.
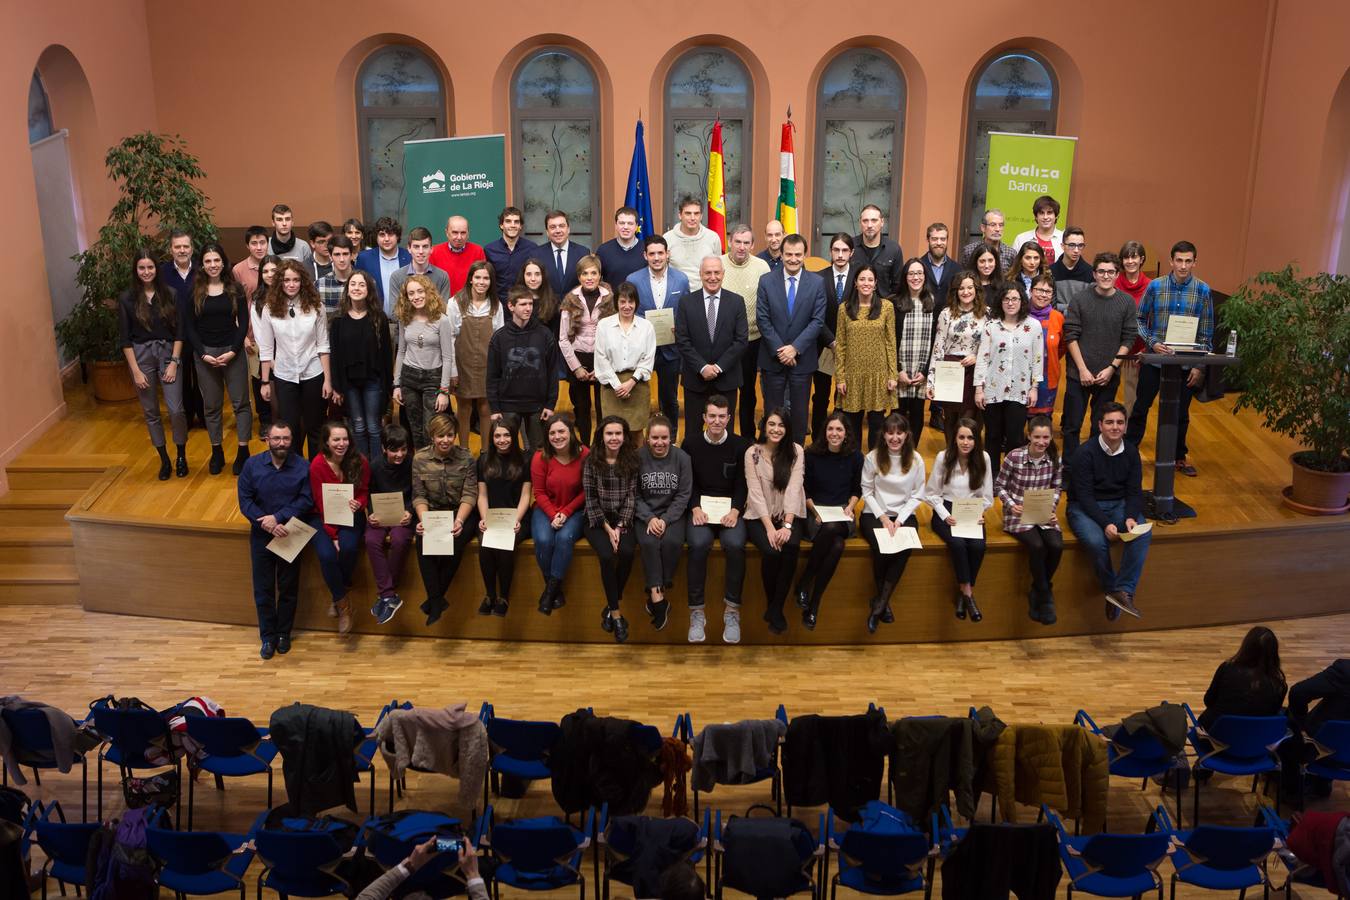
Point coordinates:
pixel 177 550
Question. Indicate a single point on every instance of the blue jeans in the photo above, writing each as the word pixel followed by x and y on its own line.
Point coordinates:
pixel 338 563
pixel 1094 538
pixel 365 405
pixel 553 549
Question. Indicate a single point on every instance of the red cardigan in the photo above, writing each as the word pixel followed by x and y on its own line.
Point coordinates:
pixel 321 473
pixel 557 488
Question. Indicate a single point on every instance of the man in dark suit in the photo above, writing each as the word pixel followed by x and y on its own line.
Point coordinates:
pixel 386 257
pixel 560 255
pixel 838 284
pixel 711 331
pixel 940 267
pixel 790 310
pixel 660 287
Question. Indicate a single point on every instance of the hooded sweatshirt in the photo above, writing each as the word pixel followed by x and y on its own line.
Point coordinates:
pixel 522 369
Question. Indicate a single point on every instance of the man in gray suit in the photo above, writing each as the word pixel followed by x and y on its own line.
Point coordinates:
pixel 711 331
pixel 660 287
pixel 790 310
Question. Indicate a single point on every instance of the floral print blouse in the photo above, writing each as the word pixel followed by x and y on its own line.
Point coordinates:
pixel 1011 360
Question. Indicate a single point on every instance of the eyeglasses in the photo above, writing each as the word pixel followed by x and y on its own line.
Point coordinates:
pixel 1074 246
pixel 1107 273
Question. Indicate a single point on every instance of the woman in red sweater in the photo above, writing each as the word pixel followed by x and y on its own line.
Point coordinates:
pixel 555 525
pixel 338 546
pixel 1132 281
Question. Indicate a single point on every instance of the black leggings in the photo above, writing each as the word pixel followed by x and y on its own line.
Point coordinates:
pixel 300 405
pixel 966 553
pixel 912 409
pixel 1004 424
pixel 498 567
pixel 874 422
pixel 1044 548
pixel 887 568
pixel 614 567
pixel 581 394
pixel 827 547
pixel 776 566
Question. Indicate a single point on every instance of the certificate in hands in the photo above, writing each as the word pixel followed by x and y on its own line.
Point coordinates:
pixel 715 508
pixel 438 538
pixel 949 381
pixel 826 363
pixel 969 515
pixel 298 533
pixel 1038 505
pixel 905 538
pixel 832 514
pixel 501 529
pixel 1136 532
pixel 663 323
pixel 337 500
pixel 387 507
pixel 1181 329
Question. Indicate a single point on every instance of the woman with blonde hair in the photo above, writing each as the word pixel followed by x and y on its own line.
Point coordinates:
pixel 426 355
pixel 582 309
pixel 474 314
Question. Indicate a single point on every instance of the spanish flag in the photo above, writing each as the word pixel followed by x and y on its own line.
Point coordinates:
pixel 787 182
pixel 717 198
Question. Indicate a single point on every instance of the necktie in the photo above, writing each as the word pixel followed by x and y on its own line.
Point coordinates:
pixel 559 252
pixel 792 293
pixel 712 317
pixel 838 286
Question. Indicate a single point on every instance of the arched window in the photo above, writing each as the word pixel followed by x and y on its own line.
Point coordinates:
pixel 399 97
pixel 1016 92
pixel 555 106
pixel 704 84
pixel 39 111
pixel 859 141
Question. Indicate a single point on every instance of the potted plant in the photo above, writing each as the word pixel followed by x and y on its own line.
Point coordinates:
pixel 154 174
pixel 1294 341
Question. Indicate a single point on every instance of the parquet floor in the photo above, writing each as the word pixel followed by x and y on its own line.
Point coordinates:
pixel 67 657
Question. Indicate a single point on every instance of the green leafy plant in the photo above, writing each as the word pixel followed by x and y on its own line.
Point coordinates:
pixel 154 174
pixel 1294 341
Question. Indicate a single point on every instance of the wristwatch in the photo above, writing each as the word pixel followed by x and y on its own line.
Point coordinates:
pixel 175 360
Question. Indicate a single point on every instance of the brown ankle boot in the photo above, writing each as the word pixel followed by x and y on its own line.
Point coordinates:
pixel 344 616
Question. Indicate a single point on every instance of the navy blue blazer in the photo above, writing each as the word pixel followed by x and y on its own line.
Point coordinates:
pixel 800 330
pixel 562 282
pixel 369 261
pixel 677 284
pixel 832 300
pixel 939 286
pixel 724 349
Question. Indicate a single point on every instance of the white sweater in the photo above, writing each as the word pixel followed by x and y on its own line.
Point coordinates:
pixel 686 253
pixel 958 488
pixel 897 494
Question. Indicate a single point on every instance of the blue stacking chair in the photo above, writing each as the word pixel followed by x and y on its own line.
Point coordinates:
pixel 365 753
pixel 66 846
pixel 32 746
pixel 440 876
pixel 885 859
pixel 234 748
pixel 300 863
pixel 1111 865
pixel 618 841
pixel 1139 755
pixel 772 773
pixel 810 855
pixel 519 748
pixel 945 835
pixel 1237 745
pixel 538 854
pixel 130 735
pixel 195 863
pixel 1217 857
pixel 1333 752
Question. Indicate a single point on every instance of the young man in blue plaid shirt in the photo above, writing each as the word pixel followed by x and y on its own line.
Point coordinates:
pixel 1179 293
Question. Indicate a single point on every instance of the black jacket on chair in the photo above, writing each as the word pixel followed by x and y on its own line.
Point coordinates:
pixel 596 761
pixel 992 860
pixel 835 760
pixel 318 756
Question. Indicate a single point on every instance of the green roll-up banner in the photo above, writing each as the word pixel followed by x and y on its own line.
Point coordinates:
pixel 1022 167
pixel 458 176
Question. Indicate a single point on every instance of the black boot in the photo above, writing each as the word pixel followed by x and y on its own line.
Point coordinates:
pixel 879 606
pixel 164 465
pixel 180 468
pixel 240 457
pixel 546 596
pixel 217 464
pixel 973 608
pixel 1034 604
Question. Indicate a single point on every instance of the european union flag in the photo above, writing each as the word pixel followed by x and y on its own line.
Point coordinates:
pixel 639 195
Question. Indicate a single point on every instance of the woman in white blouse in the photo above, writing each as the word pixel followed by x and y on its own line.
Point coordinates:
pixel 625 352
pixel 426 355
pixel 292 336
pixel 1011 363
pixel 892 489
pixel 962 472
pixel 475 313
pixel 775 509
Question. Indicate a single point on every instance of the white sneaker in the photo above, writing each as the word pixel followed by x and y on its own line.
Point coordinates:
pixel 731 626
pixel 698 624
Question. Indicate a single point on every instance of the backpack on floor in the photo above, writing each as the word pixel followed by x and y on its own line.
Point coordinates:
pixel 119 866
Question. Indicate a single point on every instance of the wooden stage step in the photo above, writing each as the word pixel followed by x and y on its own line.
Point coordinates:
pixel 39 583
pixel 44 506
pixel 37 544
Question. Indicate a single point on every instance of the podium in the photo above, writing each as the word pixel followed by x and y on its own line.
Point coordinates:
pixel 1173 367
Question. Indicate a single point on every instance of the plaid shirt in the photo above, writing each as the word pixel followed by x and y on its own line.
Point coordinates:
pixel 1019 474
pixel 447 483
pixel 610 495
pixel 915 343
pixel 1166 297
pixel 330 292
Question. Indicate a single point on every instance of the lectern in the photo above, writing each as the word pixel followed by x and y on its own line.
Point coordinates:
pixel 1173 367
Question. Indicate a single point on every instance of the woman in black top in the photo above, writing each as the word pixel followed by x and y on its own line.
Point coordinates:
pixel 362 359
pixel 267 273
pixel 152 341
pixel 1251 683
pixel 833 478
pixel 503 483
pixel 216 322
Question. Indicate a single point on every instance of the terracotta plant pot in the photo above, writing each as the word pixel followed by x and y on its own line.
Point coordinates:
pixel 1317 493
pixel 112 382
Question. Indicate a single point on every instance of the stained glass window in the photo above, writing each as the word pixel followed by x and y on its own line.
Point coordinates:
pixel 706 84
pixel 399 97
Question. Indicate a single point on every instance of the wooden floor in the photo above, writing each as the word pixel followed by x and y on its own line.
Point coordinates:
pixel 67 657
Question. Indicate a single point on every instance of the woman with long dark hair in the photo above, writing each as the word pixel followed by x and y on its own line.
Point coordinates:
pixel 610 483
pixel 984 262
pixel 292 336
pixel 152 342
pixel 267 275
pixel 865 374
pixel 892 489
pixel 363 360
pixel 665 484
pixel 959 329
pixel 582 309
pixel 915 329
pixel 961 472
pixel 533 277
pixel 215 322
pixel 503 483
pixel 340 463
pixel 1034 466
pixel 1010 365
pixel 1028 264
pixel 833 478
pixel 475 312
pixel 1250 683
pixel 559 514
pixel 355 231
pixel 775 507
